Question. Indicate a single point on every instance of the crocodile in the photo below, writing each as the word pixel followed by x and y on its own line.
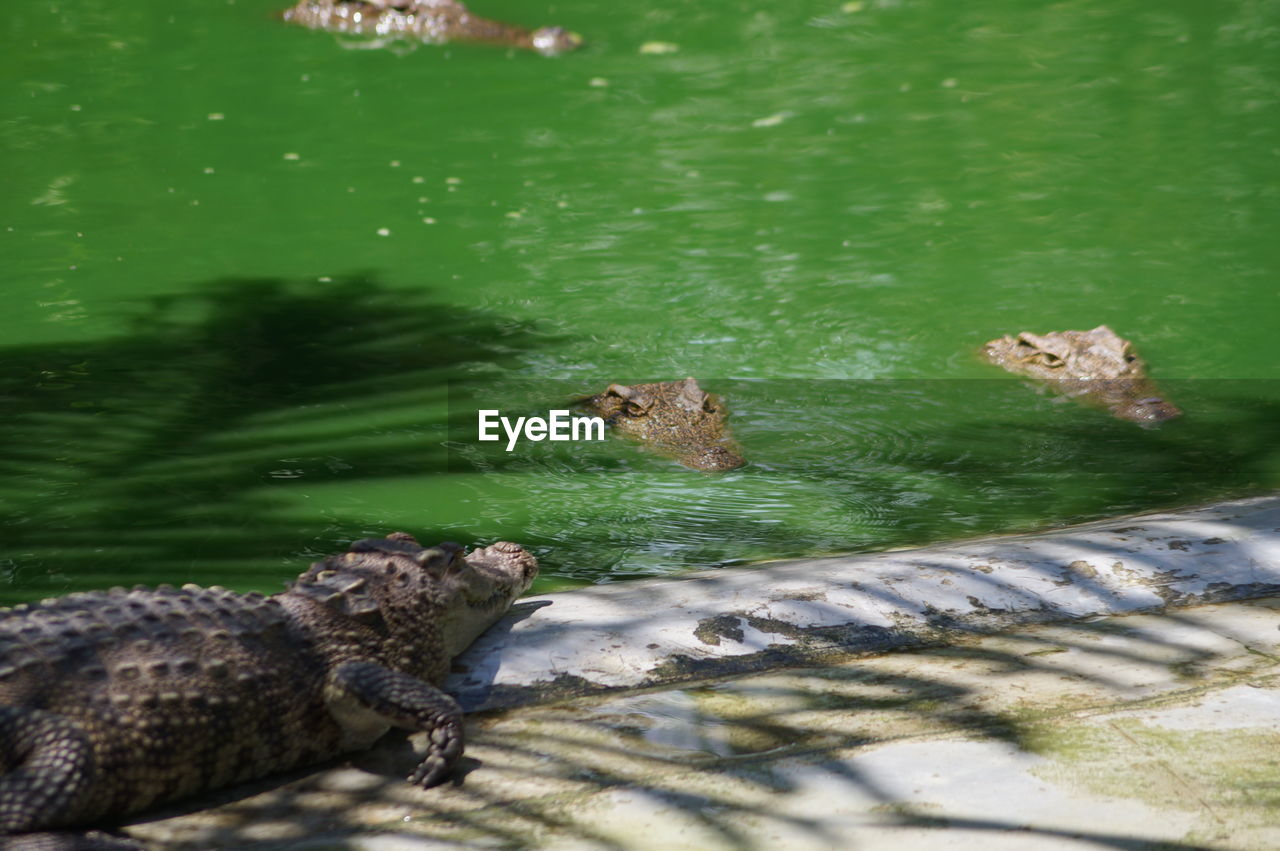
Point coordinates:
pixel 430 21
pixel 676 417
pixel 114 701
pixel 1098 367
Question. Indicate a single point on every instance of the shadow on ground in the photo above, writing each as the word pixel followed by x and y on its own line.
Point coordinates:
pixel 789 758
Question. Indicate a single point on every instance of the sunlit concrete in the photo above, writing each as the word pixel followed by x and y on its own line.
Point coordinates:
pixel 726 622
pixel 1049 724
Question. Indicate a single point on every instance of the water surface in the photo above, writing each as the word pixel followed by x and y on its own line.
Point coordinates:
pixel 245 264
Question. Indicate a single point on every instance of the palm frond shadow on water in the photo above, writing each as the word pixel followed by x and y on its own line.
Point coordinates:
pixel 152 457
pixel 579 771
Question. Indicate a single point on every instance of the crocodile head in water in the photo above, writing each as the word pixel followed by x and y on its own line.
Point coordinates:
pixel 675 417
pixel 1095 366
pixel 430 21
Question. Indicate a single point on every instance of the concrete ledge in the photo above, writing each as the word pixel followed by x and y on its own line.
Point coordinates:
pixel 736 621
pixel 1143 731
pixel 1152 726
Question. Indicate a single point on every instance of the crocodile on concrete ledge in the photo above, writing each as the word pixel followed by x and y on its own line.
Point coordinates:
pixel 431 21
pixel 1094 366
pixel 112 701
pixel 676 417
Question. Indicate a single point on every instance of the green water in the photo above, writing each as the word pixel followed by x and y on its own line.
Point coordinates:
pixel 245 267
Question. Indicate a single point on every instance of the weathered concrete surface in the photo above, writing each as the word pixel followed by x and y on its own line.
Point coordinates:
pixel 1142 731
pixel 983 730
pixel 737 621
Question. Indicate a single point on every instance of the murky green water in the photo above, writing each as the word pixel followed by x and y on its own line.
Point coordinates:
pixel 244 266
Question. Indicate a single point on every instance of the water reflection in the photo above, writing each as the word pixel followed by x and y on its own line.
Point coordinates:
pixel 854 465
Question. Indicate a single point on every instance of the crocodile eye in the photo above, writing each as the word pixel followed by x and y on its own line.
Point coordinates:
pixel 631 409
pixel 326 574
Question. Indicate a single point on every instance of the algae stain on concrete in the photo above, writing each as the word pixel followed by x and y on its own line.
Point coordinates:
pixel 757 721
pixel 1227 781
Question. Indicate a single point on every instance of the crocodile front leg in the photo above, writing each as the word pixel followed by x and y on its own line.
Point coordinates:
pixel 48 769
pixel 368 698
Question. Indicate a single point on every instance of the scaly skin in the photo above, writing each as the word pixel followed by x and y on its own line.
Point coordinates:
pixel 676 417
pixel 431 21
pixel 112 701
pixel 1094 366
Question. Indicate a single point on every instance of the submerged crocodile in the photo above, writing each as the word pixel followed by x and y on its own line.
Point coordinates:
pixel 676 417
pixel 1094 366
pixel 112 701
pixel 431 21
